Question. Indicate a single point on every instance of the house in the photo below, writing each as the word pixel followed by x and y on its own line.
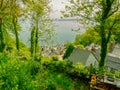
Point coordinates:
pixel 112 59
pixel 116 50
pixel 112 63
pixel 53 50
pixel 83 56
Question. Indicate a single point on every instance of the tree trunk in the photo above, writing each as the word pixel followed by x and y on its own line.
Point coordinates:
pixel 16 32
pixel 36 37
pixel 105 37
pixel 1 37
pixel 103 53
pixel 32 41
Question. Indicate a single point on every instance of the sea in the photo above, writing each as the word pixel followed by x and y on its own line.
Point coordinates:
pixel 65 31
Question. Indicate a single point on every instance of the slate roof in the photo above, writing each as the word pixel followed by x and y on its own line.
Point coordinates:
pixel 112 59
pixel 80 55
pixel 113 62
pixel 116 51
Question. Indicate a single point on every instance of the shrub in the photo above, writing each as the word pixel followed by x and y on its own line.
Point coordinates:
pixel 3 58
pixel 73 71
pixel 33 75
pixel 55 58
pixel 90 36
pixel 19 75
pixel 69 50
pixel 37 57
pixel 15 75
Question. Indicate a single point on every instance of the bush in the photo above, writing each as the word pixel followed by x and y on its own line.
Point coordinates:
pixel 87 38
pixel 19 75
pixel 3 58
pixel 69 50
pixel 29 75
pixel 34 75
pixel 55 58
pixel 14 75
pixel 72 71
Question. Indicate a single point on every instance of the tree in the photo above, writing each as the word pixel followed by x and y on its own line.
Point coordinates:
pixel 69 49
pixel 1 37
pixel 103 14
pixel 116 32
pixel 38 14
pixel 87 38
pixel 10 12
pixel 2 13
pixel 37 11
pixel 15 13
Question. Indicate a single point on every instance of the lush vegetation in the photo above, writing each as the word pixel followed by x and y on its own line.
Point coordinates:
pixel 44 73
pixel 14 12
pixel 89 37
pixel 23 68
pixel 92 36
pixel 20 72
pixel 103 15
pixel 69 50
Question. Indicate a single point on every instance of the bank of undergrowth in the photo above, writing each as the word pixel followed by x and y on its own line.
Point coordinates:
pixel 44 73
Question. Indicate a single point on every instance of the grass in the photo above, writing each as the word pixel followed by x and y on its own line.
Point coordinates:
pixel 20 74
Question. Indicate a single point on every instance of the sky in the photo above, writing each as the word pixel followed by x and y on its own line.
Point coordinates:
pixel 57 6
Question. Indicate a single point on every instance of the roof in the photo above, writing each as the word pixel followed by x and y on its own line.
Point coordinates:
pixel 116 51
pixel 79 55
pixel 113 62
pixel 112 59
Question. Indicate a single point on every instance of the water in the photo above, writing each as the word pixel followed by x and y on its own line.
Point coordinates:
pixel 64 32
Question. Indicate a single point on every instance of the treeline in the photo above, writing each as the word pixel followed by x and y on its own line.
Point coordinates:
pixel 103 19
pixel 36 11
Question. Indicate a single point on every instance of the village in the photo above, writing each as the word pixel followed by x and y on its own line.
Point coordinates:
pixel 90 55
pixel 59 44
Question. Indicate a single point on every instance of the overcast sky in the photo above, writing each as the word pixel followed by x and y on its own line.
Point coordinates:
pixel 57 6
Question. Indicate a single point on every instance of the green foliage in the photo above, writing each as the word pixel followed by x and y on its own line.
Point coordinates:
pixel 55 58
pixel 37 12
pixel 13 75
pixel 12 53
pixel 69 50
pixel 3 58
pixel 65 83
pixel 74 71
pixel 46 74
pixel 41 24
pixel 10 11
pixel 90 36
pixel 102 14
pixel 10 45
pixel 20 75
pixel 78 73
pixel 116 32
pixel 117 75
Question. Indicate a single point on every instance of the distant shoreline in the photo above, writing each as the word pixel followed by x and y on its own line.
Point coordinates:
pixel 65 19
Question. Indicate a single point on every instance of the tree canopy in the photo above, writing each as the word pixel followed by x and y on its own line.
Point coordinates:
pixel 87 38
pixel 104 15
pixel 37 11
